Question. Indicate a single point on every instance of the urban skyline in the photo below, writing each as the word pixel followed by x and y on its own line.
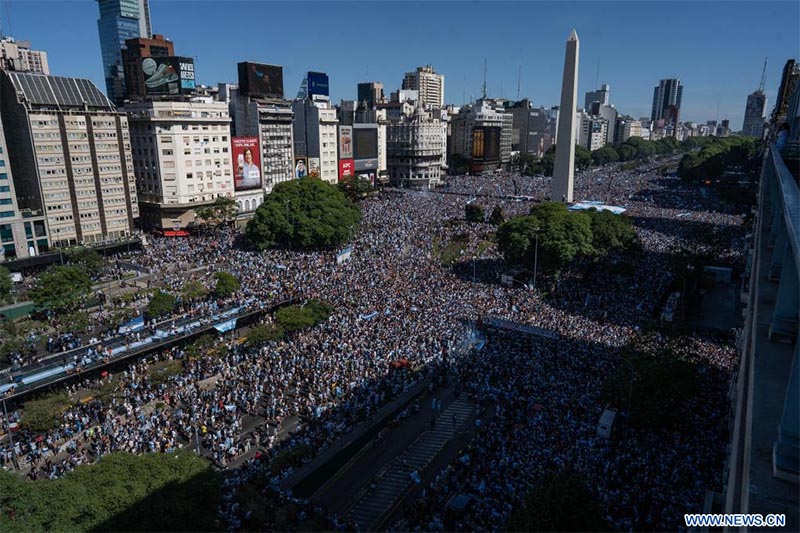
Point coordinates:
pixel 716 84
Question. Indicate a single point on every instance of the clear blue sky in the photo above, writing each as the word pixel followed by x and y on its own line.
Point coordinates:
pixel 716 48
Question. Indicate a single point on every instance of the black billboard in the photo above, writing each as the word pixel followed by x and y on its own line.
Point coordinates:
pixel 317 83
pixel 365 143
pixel 168 75
pixel 486 143
pixel 260 80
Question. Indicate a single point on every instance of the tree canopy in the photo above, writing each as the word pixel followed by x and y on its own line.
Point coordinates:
pixel 193 290
pixel 306 213
pixel 560 502
pixel 5 284
pixel 227 284
pixel 610 232
pixel 86 258
pixel 162 303
pixel 222 210
pixel 122 492
pixel 61 287
pixel 294 317
pixel 714 158
pixel 473 213
pixel 497 217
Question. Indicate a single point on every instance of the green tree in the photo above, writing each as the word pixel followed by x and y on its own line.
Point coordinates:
pixel 560 502
pixel 610 231
pixel 5 284
pixel 61 287
pixel 43 414
pixel 626 152
pixel 221 211
pixel 294 318
pixel 458 164
pixel 304 213
pixel 563 236
pixel 474 213
pixel 86 258
pixel 605 155
pixel 497 217
pixel 262 334
pixel 76 321
pixel 354 187
pixel 162 303
pixel 583 157
pixel 193 290
pixel 227 284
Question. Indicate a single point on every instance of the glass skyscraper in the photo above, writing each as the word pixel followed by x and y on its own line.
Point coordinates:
pixel 119 20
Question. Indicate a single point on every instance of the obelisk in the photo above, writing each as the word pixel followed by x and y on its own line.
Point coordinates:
pixel 564 169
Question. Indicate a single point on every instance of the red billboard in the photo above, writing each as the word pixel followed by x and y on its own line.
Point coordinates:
pixel 246 163
pixel 346 168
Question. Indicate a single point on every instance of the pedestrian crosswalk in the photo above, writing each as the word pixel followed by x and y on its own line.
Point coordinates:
pixel 394 481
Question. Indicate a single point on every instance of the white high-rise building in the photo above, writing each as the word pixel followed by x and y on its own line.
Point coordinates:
pixel 316 136
pixel 429 85
pixel 17 55
pixel 181 158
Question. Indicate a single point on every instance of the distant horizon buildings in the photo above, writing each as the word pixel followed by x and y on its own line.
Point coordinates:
pixel 119 21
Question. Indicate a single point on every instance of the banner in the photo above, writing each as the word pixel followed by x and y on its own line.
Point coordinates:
pixel 345 142
pixel 246 163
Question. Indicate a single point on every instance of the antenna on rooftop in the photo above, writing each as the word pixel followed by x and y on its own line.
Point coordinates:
pixel 519 80
pixel 597 75
pixel 763 77
pixel 483 89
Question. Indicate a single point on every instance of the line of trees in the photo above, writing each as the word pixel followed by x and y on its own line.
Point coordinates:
pixel 710 162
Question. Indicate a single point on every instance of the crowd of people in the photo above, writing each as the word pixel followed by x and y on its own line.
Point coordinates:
pixel 395 300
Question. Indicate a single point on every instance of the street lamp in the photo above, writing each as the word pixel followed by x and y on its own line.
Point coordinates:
pixel 535 258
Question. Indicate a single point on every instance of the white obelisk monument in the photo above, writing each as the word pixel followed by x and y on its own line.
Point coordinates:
pixel 564 169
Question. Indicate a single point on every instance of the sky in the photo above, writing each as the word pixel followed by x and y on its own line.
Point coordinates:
pixel 716 48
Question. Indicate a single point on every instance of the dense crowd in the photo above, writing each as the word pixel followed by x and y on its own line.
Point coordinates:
pixel 396 300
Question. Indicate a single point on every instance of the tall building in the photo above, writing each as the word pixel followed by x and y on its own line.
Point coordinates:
pixel 593 130
pixel 416 146
pixel 17 55
pixel 70 154
pixel 753 125
pixel 134 52
pixel 429 84
pixel 119 21
pixel 626 128
pixel 563 179
pixel 789 79
pixel 316 137
pixel 22 233
pixel 482 133
pixel 601 96
pixel 667 93
pixel 181 159
pixel 371 92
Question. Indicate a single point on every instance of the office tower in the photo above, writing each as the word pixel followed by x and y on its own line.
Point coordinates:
pixel 316 137
pixel 119 21
pixel 667 93
pixel 135 51
pixel 753 124
pixel 482 132
pixel 181 158
pixel 789 79
pixel 601 95
pixel 429 84
pixel 564 168
pixel 371 92
pixel 71 157
pixel 17 55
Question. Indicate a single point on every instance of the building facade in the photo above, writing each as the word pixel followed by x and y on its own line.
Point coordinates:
pixel 71 157
pixel 181 159
pixel 132 55
pixel 416 147
pixel 119 21
pixel 482 133
pixel 428 83
pixel 316 136
pixel 754 111
pixel 668 92
pixel 371 92
pixel 600 96
pixel 272 121
pixel 17 55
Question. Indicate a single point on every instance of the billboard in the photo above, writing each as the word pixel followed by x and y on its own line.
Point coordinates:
pixel 345 142
pixel 346 168
pixel 300 167
pixel 257 79
pixel 168 75
pixel 486 143
pixel 313 167
pixel 365 143
pixel 246 162
pixel 366 164
pixel 317 83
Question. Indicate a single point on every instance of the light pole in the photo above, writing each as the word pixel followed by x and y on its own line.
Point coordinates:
pixel 535 259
